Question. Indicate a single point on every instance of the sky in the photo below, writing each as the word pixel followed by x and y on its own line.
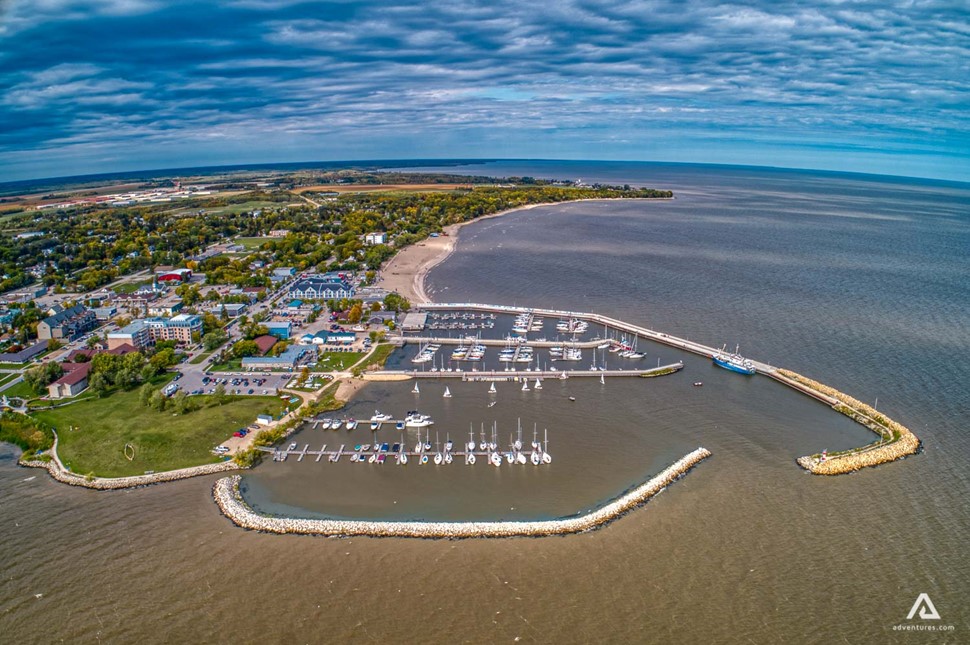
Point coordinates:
pixel 113 85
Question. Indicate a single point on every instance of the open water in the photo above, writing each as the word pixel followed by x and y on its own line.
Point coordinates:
pixel 861 282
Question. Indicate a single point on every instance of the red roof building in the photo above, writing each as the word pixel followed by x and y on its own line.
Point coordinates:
pixel 265 343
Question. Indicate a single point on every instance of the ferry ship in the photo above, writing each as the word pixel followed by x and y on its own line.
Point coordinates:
pixel 734 362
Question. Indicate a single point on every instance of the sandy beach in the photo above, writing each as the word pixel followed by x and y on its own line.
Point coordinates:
pixel 405 272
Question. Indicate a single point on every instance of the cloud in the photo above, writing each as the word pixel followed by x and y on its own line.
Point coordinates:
pixel 302 80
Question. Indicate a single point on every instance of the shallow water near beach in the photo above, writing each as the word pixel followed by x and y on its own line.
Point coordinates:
pixel 859 282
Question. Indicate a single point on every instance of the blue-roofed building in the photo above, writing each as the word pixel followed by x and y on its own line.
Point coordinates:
pixel 295 304
pixel 285 361
pixel 279 329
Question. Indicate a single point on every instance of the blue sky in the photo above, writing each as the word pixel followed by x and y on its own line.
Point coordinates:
pixel 107 85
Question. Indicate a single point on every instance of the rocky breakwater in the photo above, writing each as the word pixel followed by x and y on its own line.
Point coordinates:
pixel 59 472
pixel 228 498
pixel 895 440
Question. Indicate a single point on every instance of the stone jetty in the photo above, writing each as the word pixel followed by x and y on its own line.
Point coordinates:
pixel 895 440
pixel 228 498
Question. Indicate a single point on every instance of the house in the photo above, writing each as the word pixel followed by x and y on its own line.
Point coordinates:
pixel 279 329
pixel 375 238
pixel 279 232
pixel 284 272
pixel 73 382
pixel 320 289
pixel 68 324
pixel 265 343
pixel 264 419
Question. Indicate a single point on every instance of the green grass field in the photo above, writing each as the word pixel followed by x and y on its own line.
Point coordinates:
pixel 162 441
pixel 12 366
pixel 130 287
pixel 242 208
pixel 201 357
pixel 251 243
pixel 20 390
pixel 232 365
pixel 377 357
pixel 336 361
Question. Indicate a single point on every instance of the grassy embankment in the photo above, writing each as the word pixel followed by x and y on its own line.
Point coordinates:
pixel 92 434
pixel 378 356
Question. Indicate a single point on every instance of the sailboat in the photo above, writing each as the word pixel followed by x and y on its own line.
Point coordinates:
pixel 416 390
pixel 525 386
pixel 538 385
pixel 492 390
pixel 447 393
pixel 602 380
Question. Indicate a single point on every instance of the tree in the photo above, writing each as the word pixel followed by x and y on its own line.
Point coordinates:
pixel 213 339
pixel 245 348
pixel 38 378
pixel 180 402
pixel 219 394
pixel 396 302
pixel 54 344
pixel 355 313
pixel 158 401
pixel 304 374
pixel 145 394
pixel 98 384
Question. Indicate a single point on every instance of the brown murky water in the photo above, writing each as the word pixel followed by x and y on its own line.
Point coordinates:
pixel 746 548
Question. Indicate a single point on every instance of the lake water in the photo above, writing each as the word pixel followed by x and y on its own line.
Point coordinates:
pixel 861 282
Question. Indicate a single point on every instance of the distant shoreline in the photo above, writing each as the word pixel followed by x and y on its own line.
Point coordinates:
pixel 407 271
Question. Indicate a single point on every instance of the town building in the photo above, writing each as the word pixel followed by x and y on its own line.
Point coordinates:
pixel 279 329
pixel 67 325
pixel 105 313
pixel 315 288
pixel 73 382
pixel 279 232
pixel 167 307
pixel 265 343
pixel 148 331
pixel 232 309
pixel 285 361
pixel 284 272
pixel 375 238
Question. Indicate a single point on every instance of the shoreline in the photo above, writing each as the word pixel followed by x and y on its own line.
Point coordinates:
pixel 405 273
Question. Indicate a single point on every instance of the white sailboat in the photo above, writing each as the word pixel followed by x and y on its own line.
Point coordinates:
pixel 447 393
pixel 538 385
pixel 602 380
pixel 492 390
pixel 416 390
pixel 525 386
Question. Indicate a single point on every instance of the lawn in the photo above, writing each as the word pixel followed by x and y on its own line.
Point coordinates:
pixel 336 361
pixel 377 357
pixel 130 287
pixel 252 243
pixel 232 365
pixel 6 378
pixel 201 357
pixel 20 390
pixel 12 366
pixel 161 440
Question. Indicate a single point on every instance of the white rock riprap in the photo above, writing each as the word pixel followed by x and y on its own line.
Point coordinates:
pixel 228 498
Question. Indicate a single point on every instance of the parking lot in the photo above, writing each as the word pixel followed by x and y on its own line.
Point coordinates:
pixel 248 383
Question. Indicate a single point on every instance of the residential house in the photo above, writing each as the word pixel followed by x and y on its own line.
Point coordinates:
pixel 67 325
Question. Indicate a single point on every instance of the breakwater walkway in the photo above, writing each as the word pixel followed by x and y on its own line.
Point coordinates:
pixel 228 498
pixel 895 440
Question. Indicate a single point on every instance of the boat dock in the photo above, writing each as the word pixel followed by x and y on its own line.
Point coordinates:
pixel 500 342
pixel 611 323
pixel 519 375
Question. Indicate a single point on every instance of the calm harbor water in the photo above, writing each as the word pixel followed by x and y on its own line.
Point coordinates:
pixel 858 281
